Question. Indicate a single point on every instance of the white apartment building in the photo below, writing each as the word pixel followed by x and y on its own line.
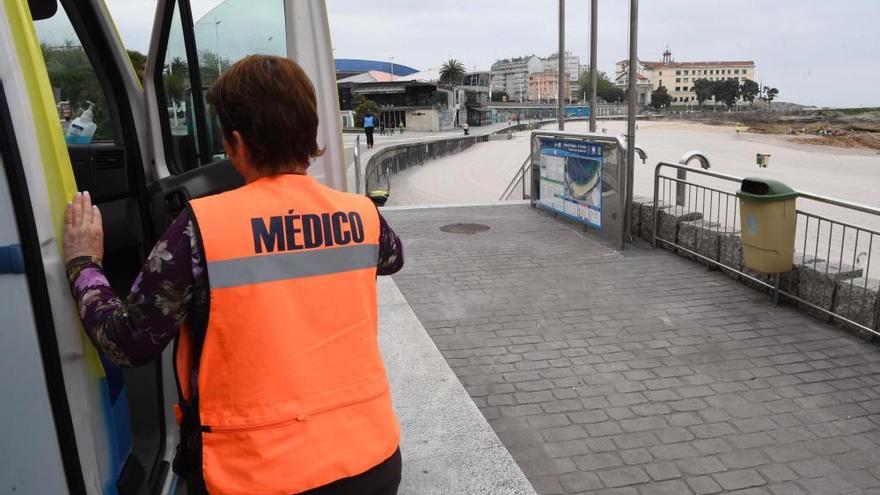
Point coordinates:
pixel 511 75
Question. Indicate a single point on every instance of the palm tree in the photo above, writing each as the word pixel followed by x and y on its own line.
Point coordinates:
pixel 451 72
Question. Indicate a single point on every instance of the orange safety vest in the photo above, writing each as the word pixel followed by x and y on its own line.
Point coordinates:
pixel 291 389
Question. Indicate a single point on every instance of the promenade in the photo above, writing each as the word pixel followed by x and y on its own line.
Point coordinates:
pixel 637 373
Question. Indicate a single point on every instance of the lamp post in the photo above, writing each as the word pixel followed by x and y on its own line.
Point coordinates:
pixel 560 102
pixel 594 71
pixel 391 58
pixel 217 44
pixel 631 113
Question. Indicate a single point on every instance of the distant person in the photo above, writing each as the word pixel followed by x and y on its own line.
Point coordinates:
pixel 401 127
pixel 369 125
pixel 466 129
pixel 382 128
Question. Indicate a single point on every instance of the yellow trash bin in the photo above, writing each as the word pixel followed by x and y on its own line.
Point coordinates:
pixel 768 219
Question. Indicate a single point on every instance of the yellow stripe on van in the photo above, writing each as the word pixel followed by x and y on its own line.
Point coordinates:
pixel 53 150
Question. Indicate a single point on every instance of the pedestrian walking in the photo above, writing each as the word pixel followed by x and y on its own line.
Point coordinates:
pixel 369 125
pixel 401 127
pixel 466 129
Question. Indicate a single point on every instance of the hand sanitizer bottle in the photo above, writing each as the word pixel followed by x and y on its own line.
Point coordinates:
pixel 82 128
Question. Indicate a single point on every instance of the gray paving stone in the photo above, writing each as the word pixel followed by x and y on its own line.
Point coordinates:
pixel 661 471
pixel 672 487
pixel 580 482
pixel 703 485
pixel 737 480
pixel 702 465
pixel 539 324
pixel 623 476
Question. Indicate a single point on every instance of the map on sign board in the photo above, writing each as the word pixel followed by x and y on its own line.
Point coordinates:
pixel 571 179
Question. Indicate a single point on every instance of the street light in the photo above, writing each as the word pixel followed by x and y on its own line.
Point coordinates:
pixel 217 44
pixel 392 67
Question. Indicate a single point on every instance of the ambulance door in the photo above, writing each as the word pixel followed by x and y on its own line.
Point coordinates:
pixel 70 57
pixel 35 427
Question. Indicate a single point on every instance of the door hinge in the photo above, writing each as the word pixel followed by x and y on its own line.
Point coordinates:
pixel 11 259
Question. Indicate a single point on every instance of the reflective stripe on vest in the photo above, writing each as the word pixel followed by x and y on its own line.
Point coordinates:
pixel 292 389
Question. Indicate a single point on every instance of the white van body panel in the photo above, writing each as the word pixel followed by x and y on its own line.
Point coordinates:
pixel 83 396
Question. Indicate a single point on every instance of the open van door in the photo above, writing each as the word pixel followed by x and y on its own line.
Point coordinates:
pixel 187 55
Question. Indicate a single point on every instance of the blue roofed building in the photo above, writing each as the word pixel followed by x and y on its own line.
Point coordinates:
pixel 346 67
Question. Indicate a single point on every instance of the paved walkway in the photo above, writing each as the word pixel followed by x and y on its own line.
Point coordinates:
pixel 640 373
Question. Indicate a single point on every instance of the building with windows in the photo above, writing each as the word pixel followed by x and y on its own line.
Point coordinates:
pixel 572 67
pixel 678 77
pixel 544 86
pixel 511 75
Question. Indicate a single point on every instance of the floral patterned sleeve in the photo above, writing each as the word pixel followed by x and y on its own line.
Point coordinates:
pixel 390 250
pixel 171 287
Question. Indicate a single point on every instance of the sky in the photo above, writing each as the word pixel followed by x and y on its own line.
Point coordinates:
pixel 816 52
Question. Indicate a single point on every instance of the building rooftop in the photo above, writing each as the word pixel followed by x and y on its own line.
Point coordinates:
pixel 354 65
pixel 371 76
pixel 707 63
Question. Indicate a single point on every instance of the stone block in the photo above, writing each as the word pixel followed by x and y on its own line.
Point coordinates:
pixel 817 283
pixel 857 300
pixel 635 221
pixel 788 281
pixel 701 237
pixel 669 218
pixel 646 219
pixel 730 252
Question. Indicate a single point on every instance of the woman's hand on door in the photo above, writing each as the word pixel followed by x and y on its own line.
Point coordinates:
pixel 83 230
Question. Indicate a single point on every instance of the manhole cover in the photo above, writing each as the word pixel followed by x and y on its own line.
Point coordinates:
pixel 464 228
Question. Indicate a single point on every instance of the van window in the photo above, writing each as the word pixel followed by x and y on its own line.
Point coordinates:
pixel 223 35
pixel 72 76
pixel 231 31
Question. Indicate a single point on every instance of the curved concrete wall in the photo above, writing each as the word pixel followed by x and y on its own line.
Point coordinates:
pixel 393 159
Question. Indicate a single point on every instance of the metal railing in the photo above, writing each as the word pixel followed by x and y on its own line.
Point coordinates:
pixel 521 180
pixel 354 177
pixel 700 218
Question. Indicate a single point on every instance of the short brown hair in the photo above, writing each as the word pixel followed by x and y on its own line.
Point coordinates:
pixel 271 102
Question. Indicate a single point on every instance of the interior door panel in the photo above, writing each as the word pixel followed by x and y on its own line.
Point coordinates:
pixel 168 197
pixel 101 169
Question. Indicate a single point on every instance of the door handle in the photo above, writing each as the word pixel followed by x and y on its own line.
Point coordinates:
pixel 11 259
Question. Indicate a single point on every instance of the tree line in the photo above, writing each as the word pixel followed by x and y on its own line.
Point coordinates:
pixel 726 91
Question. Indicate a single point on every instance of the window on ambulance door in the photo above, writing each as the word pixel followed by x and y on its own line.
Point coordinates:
pixel 223 35
pixel 75 85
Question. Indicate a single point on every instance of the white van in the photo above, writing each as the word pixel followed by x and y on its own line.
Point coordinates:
pixel 69 422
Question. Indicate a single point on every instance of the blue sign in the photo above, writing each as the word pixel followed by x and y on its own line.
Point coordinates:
pixel 571 179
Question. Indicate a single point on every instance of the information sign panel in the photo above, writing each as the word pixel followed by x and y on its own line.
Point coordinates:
pixel 571 178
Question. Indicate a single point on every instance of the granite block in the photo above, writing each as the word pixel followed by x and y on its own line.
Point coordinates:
pixel 667 227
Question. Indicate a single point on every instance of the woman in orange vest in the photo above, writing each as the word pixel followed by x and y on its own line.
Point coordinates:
pixel 270 292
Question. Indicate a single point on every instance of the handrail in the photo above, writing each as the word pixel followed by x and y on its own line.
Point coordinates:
pixel 803 194
pixel 357 164
pixel 516 177
pixel 837 239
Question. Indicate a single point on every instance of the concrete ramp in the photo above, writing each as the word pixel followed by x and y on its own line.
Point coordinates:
pixel 447 446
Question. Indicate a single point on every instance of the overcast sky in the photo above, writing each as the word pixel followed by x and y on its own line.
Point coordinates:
pixel 815 51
